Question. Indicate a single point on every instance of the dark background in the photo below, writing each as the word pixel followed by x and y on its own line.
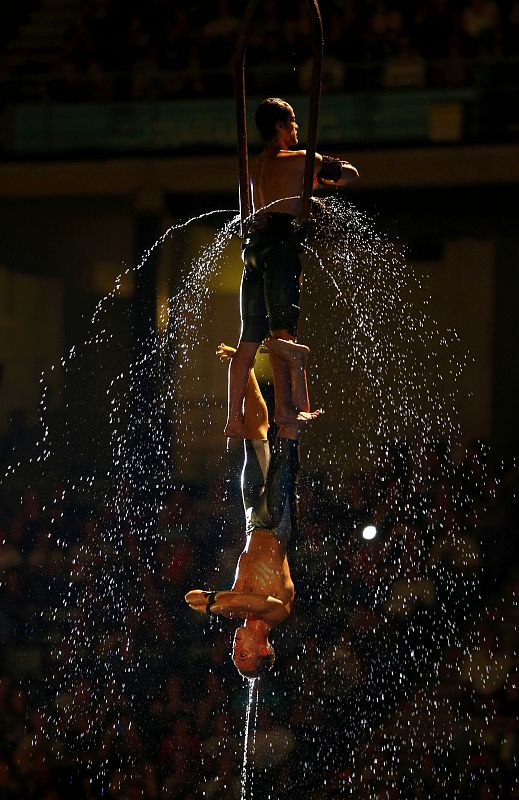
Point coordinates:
pixel 397 676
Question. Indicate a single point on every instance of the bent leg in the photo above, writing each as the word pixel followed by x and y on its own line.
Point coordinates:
pixel 255 417
pixel 295 356
pixel 256 446
pixel 282 293
pixel 239 372
pixel 284 407
pixel 288 362
pixel 254 329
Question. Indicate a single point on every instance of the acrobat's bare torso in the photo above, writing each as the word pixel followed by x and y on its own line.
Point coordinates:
pixel 262 589
pixel 263 569
pixel 277 181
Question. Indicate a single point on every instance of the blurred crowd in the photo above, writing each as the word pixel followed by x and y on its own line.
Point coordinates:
pixel 399 644
pixel 473 705
pixel 127 50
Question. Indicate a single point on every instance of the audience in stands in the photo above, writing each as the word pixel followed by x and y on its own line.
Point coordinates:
pixel 156 710
pixel 118 51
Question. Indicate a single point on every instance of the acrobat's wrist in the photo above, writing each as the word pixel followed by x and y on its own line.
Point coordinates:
pixel 331 170
pixel 211 601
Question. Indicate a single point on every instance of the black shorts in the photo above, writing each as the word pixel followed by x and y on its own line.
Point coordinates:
pixel 270 287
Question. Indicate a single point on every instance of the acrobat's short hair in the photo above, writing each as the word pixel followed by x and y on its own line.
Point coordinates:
pixel 264 665
pixel 269 113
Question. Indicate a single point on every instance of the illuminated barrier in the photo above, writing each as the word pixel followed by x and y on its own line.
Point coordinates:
pixel 374 118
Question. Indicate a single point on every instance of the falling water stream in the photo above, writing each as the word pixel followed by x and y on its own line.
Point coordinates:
pixel 252 709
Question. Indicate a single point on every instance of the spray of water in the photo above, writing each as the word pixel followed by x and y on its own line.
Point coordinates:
pixel 110 605
pixel 375 371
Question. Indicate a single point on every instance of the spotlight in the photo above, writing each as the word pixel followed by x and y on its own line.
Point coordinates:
pixel 369 532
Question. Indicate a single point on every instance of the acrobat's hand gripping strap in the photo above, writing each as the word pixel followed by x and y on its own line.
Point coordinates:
pixel 331 170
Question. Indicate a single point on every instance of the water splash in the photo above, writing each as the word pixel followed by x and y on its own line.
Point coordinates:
pixel 375 369
pixel 110 606
pixel 386 350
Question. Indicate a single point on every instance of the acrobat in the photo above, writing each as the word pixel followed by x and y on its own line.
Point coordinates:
pixel 263 592
pixel 270 288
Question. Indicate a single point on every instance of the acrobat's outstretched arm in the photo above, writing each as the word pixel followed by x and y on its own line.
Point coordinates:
pixel 330 171
pixel 236 605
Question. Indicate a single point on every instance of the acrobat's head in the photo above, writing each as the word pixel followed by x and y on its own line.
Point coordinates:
pixel 252 653
pixel 273 116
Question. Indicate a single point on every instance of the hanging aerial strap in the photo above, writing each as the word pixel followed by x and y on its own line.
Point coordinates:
pixel 241 113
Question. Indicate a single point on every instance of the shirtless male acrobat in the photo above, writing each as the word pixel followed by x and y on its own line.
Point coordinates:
pixel 270 288
pixel 263 592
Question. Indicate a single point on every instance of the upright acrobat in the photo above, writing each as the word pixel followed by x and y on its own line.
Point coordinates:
pixel 270 288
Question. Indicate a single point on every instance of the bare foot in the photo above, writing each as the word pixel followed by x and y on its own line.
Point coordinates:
pixel 295 354
pixel 297 417
pixel 225 352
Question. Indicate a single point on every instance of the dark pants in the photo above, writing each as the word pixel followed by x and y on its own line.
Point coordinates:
pixel 270 287
pixel 269 486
